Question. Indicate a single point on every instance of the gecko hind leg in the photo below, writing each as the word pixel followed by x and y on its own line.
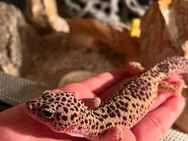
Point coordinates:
pixel 174 87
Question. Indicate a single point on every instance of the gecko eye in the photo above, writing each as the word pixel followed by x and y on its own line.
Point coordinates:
pixel 47 114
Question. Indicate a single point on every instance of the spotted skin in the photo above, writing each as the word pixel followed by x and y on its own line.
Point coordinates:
pixel 130 101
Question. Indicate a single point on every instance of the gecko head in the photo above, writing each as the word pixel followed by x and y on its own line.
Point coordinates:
pixel 58 110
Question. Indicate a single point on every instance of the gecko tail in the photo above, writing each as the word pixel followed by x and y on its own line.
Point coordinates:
pixel 173 65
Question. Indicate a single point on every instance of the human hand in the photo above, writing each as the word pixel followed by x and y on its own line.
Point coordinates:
pixel 16 125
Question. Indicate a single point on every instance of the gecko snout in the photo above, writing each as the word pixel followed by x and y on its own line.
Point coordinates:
pixel 30 105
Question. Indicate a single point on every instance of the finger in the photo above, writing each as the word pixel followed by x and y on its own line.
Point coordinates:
pixel 159 120
pixel 118 134
pixel 161 98
pixel 78 89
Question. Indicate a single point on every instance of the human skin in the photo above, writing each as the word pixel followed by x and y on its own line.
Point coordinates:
pixel 17 125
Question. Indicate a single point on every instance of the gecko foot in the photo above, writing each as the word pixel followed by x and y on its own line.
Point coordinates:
pixel 175 87
pixel 135 67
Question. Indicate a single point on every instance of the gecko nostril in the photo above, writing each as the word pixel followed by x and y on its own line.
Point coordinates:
pixel 47 114
pixel 30 105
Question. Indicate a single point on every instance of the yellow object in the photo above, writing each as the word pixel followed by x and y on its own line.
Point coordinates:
pixel 135 28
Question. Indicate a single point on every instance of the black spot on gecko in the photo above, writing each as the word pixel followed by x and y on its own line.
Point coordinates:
pixel 163 68
pixel 67 95
pixel 125 97
pixel 79 104
pixel 102 110
pixel 44 95
pixel 57 95
pixel 147 96
pixel 46 106
pixel 102 127
pixel 108 110
pixel 75 100
pixel 65 109
pixel 133 105
pixel 86 121
pixel 105 116
pixel 118 105
pixel 60 124
pixel 108 124
pixel 51 100
pixel 64 118
pixel 69 101
pixel 97 123
pixel 58 116
pixel 72 109
pixel 97 114
pixel 130 116
pixel 112 114
pixel 139 97
pixel 154 73
pixel 112 107
pixel 89 121
pixel 141 93
pixel 73 116
pixel 123 108
pixel 52 105
pixel 63 99
pixel 48 96
pixel 124 118
pixel 143 88
pixel 143 99
pixel 133 95
pixel 122 102
pixel 72 104
pixel 118 113
pixel 137 111
pixel 101 119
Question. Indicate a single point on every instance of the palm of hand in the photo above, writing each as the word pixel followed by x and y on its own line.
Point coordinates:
pixel 16 125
